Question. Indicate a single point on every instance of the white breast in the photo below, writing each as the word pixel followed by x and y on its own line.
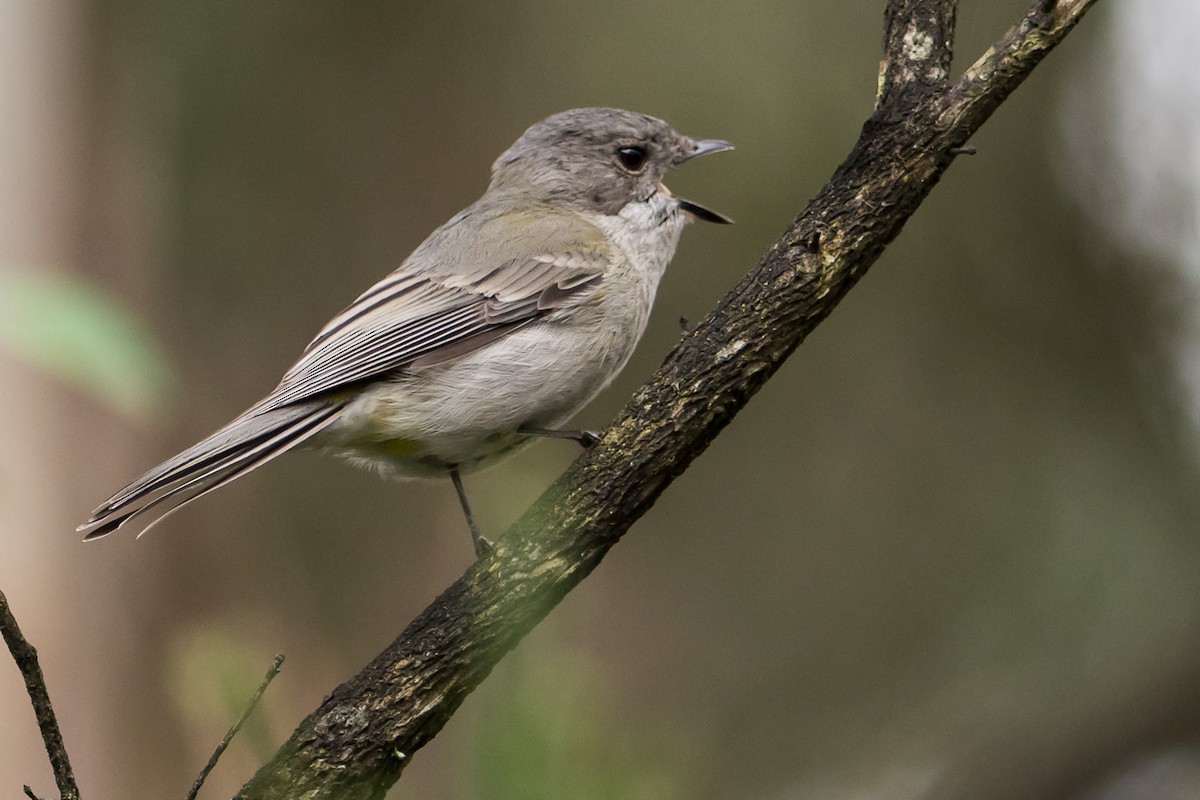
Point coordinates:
pixel 466 412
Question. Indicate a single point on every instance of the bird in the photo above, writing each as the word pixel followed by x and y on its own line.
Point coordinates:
pixel 495 331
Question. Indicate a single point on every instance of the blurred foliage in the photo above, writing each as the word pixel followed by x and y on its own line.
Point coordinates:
pixel 67 328
pixel 550 734
pixel 212 673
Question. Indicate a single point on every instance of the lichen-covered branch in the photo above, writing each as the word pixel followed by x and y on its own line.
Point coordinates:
pixel 988 81
pixel 359 740
pixel 35 686
pixel 918 42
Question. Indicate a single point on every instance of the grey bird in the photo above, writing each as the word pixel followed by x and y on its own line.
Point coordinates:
pixel 498 328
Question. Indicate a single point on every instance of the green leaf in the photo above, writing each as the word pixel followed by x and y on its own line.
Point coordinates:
pixel 64 327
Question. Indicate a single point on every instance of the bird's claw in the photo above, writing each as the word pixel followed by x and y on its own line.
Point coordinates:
pixel 588 439
pixel 483 547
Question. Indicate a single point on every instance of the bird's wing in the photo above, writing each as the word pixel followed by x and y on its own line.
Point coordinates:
pixel 430 310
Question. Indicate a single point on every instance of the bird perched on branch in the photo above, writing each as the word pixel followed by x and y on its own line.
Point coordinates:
pixel 497 329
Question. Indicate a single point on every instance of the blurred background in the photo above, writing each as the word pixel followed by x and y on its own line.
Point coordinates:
pixel 949 551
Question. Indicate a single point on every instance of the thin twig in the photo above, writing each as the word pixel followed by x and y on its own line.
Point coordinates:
pixel 25 655
pixel 29 793
pixel 272 671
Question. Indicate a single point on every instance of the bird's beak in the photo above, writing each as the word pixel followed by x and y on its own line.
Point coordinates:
pixel 704 147
pixel 700 212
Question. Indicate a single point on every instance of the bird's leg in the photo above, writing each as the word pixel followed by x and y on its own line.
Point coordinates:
pixel 483 547
pixel 585 439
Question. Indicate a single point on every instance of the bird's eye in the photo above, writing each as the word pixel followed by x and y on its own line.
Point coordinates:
pixel 632 158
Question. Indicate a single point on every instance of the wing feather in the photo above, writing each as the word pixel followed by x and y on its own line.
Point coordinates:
pixel 427 312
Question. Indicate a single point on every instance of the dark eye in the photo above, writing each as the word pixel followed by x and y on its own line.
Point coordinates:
pixel 632 158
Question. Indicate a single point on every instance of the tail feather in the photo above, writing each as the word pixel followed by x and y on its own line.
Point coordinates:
pixel 243 445
pixel 243 430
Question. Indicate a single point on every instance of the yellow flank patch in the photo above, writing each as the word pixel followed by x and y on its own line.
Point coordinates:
pixel 405 448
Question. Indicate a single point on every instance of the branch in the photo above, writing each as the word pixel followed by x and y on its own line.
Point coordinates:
pixel 359 740
pixel 918 39
pixel 25 655
pixel 272 671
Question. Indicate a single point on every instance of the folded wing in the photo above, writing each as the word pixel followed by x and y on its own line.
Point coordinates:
pixel 444 302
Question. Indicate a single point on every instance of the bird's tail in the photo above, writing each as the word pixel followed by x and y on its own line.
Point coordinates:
pixel 250 440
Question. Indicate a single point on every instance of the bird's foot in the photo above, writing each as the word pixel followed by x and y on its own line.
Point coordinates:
pixel 483 546
pixel 585 439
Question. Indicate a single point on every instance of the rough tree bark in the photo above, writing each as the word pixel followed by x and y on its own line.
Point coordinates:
pixel 357 743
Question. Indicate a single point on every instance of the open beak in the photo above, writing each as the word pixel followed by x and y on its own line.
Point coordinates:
pixel 704 147
pixel 700 212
